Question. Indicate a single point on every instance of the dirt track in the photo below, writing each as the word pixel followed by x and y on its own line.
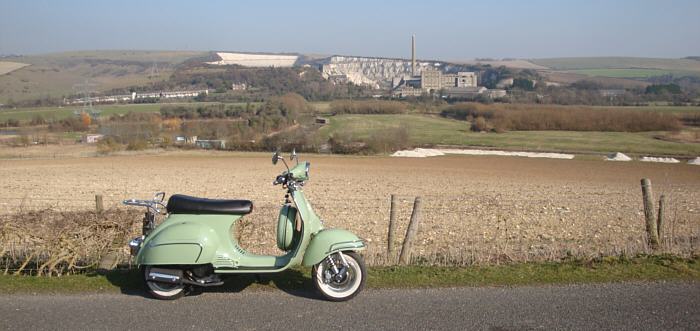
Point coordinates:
pixel 475 208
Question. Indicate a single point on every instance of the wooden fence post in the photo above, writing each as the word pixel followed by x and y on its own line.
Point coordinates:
pixel 660 219
pixel 99 206
pixel 411 232
pixel 392 227
pixel 647 196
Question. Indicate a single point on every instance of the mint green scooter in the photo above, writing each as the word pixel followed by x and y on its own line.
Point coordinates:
pixel 193 246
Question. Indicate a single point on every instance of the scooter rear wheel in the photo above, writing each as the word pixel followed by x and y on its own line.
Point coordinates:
pixel 347 286
pixel 162 291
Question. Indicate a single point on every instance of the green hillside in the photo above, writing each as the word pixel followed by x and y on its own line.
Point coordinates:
pixel 431 130
pixel 55 75
pixel 573 63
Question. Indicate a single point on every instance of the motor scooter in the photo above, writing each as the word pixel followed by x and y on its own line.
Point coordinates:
pixel 194 247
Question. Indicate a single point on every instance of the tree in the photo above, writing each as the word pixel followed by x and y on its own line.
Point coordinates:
pixel 663 88
pixel 523 84
pixel 85 119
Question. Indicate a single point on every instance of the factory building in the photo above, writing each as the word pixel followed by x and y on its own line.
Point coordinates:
pixel 432 79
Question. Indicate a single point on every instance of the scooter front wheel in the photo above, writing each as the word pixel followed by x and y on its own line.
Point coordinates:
pixel 162 291
pixel 343 285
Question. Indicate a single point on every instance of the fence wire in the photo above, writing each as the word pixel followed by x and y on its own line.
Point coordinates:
pixel 453 229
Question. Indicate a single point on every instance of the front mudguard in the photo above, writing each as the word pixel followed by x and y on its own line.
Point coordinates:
pixel 180 243
pixel 329 241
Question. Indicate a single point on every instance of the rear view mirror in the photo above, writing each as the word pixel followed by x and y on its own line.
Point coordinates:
pixel 275 157
pixel 294 155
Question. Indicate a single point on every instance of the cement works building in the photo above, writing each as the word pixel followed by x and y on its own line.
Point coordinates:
pixel 451 85
pixel 434 80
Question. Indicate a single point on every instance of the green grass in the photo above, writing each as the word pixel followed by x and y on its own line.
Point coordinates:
pixel 428 130
pixel 575 63
pixel 57 113
pixel 321 106
pixel 600 271
pixel 630 73
pixel 614 269
pixel 667 109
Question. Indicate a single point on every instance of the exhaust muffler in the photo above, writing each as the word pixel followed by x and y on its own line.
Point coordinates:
pixel 170 276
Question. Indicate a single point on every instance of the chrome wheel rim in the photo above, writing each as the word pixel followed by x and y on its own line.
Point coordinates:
pixel 346 285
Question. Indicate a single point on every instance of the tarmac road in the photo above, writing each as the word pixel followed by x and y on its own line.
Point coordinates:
pixel 626 306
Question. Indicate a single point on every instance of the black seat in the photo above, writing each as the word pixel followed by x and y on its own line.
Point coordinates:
pixel 183 204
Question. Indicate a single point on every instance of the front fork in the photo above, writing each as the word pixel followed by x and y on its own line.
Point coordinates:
pixel 338 274
pixel 149 222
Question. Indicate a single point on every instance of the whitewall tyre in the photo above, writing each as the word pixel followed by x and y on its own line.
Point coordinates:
pixel 345 288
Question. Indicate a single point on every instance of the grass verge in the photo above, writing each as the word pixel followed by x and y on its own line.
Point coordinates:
pixel 612 269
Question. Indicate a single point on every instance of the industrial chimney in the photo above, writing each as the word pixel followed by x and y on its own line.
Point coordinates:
pixel 413 55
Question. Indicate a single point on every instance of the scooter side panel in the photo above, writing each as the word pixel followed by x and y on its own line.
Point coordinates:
pixel 331 241
pixel 172 254
pixel 183 239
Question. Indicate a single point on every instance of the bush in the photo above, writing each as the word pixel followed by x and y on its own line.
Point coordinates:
pixel 299 139
pixel 541 118
pixel 343 143
pixel 389 140
pixel 108 145
pixel 11 123
pixel 52 243
pixel 524 84
pixel 480 124
pixel 37 120
pixel 466 112
pixel 384 141
pixel 137 145
pixel 69 124
pixel 663 88
pixel 22 140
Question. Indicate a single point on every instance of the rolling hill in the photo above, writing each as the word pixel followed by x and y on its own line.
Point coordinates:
pixel 622 67
pixel 54 75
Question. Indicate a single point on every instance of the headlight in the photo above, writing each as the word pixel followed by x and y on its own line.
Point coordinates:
pixel 135 245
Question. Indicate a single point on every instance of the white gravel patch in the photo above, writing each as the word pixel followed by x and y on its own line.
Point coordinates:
pixel 618 157
pixel 427 152
pixel 659 159
pixel 408 154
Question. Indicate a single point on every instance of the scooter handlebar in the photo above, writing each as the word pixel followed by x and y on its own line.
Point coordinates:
pixel 278 180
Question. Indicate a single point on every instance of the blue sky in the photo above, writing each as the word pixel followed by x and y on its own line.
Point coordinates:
pixel 448 30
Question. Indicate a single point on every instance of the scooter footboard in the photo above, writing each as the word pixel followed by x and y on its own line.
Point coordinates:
pixel 330 241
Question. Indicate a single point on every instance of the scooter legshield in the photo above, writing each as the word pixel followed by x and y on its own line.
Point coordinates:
pixel 330 241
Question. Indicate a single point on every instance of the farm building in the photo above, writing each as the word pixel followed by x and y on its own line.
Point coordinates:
pixel 190 140
pixel 239 86
pixel 92 138
pixel 211 144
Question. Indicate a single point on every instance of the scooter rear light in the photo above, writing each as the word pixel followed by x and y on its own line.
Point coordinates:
pixel 135 245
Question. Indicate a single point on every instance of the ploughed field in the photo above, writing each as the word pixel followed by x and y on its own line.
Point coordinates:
pixel 475 209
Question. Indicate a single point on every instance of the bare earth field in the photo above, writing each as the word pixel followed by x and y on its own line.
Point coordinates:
pixel 7 67
pixel 476 209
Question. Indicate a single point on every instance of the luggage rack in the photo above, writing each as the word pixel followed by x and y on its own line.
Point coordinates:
pixel 155 205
